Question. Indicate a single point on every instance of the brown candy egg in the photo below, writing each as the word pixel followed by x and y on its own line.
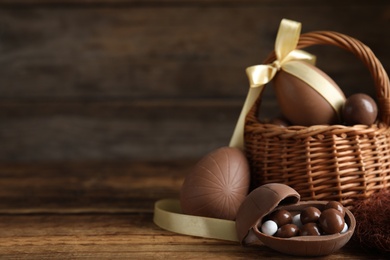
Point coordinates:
pixel 310 229
pixel 336 205
pixel 217 185
pixel 331 221
pixel 286 231
pixel 281 217
pixel 359 109
pixel 310 214
pixel 279 121
pixel 300 103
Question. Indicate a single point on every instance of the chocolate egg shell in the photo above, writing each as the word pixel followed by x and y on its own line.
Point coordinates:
pixel 259 203
pixel 301 104
pixel 309 245
pixel 216 185
pixel 254 207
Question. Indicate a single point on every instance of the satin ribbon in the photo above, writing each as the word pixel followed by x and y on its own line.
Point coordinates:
pixel 259 75
pixel 167 215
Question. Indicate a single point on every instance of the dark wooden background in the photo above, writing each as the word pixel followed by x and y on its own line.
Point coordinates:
pixel 128 80
pixel 104 104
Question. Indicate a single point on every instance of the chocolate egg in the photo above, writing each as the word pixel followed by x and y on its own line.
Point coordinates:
pixel 286 231
pixel 296 220
pixel 270 197
pixel 336 205
pixel 281 217
pixel 269 227
pixel 310 229
pixel 279 121
pixel 359 109
pixel 331 221
pixel 217 184
pixel 310 214
pixel 303 105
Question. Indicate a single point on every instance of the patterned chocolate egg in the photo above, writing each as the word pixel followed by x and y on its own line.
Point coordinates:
pixel 304 105
pixel 217 184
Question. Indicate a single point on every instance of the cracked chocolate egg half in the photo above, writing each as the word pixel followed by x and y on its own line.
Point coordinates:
pixel 217 185
pixel 266 199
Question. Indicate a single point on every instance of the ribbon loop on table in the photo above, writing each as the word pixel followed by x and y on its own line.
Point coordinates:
pixel 259 75
pixel 167 215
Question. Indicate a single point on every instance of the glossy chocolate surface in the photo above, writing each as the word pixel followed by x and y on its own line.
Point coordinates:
pixel 310 214
pixel 281 217
pixel 331 221
pixel 286 231
pixel 310 229
pixel 303 105
pixel 359 109
pixel 336 205
pixel 263 200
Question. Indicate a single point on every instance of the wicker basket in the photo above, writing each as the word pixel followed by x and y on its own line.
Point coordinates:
pixel 325 162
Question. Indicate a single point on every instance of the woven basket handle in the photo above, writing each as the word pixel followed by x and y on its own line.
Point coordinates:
pixel 364 53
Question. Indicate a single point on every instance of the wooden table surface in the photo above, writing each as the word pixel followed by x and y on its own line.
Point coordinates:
pixel 105 211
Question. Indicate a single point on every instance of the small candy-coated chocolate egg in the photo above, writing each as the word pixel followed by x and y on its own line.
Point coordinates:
pixel 269 227
pixel 310 214
pixel 310 229
pixel 336 205
pixel 281 217
pixel 359 109
pixel 280 121
pixel 297 220
pixel 286 231
pixel 345 228
pixel 331 221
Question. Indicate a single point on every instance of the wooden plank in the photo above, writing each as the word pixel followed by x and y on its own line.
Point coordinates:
pixel 154 130
pixel 122 236
pixel 92 187
pixel 183 51
pixel 104 211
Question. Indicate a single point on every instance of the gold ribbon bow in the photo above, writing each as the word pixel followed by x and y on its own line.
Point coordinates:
pixel 259 75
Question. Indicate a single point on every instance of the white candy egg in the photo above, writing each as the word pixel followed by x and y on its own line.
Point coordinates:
pixel 269 227
pixel 345 228
pixel 296 220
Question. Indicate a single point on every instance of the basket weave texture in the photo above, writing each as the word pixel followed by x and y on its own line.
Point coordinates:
pixel 325 162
